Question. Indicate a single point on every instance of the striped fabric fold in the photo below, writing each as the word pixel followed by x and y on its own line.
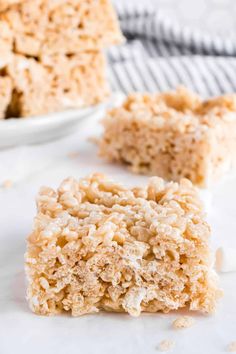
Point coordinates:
pixel 160 55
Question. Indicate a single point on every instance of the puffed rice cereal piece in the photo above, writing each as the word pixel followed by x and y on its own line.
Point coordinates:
pixel 183 322
pixel 166 345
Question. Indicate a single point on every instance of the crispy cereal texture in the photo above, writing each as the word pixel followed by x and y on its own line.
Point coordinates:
pixel 97 245
pixel 173 135
pixel 61 27
pixel 52 84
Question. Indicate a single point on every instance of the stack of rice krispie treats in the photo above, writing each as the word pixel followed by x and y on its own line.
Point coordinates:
pixel 51 54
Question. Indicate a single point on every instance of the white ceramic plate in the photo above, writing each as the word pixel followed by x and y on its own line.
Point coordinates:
pixel 34 130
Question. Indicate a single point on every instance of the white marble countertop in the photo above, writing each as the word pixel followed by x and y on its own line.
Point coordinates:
pixel 23 332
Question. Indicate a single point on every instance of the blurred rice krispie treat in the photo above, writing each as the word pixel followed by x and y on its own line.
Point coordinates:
pixel 172 135
pixel 6 40
pixel 80 78
pixel 64 26
pixel 30 87
pixel 4 4
pixel 97 245
pixel 52 52
pixel 53 84
pixel 5 95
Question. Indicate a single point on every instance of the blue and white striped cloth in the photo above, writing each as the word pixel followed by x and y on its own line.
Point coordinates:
pixel 160 55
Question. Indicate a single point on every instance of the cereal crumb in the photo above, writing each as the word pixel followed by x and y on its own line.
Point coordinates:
pixel 183 322
pixel 7 184
pixel 232 347
pixel 94 140
pixel 73 154
pixel 166 345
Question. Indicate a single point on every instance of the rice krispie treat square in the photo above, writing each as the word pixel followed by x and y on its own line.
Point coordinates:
pixel 54 83
pixel 97 245
pixel 65 27
pixel 172 135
